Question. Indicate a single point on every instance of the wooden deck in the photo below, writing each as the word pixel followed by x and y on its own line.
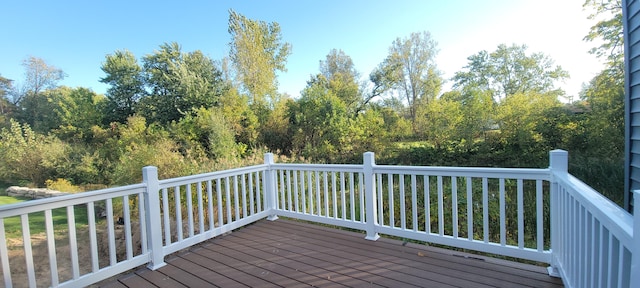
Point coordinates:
pixel 286 253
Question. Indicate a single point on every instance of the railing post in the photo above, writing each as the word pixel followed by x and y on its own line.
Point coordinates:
pixel 370 196
pixel 635 256
pixel 559 165
pixel 152 207
pixel 270 188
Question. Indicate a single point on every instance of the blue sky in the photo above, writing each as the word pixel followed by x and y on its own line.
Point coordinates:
pixel 75 36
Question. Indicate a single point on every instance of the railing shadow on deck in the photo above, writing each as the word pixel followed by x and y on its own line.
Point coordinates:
pixel 543 215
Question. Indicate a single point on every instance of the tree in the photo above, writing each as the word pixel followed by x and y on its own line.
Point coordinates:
pixel 257 52
pixel 342 79
pixel 7 108
pixel 27 155
pixel 411 71
pixel 78 110
pixel 40 76
pixel 609 31
pixel 124 75
pixel 509 70
pixel 179 83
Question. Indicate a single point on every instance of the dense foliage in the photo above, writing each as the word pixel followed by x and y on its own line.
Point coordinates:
pixel 187 113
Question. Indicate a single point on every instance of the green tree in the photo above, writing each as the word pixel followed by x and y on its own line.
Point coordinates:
pixel 126 81
pixel 439 121
pixel 7 108
pixel 28 156
pixel 257 52
pixel 179 82
pixel 410 70
pixel 510 70
pixel 608 30
pixel 78 110
pixel 340 77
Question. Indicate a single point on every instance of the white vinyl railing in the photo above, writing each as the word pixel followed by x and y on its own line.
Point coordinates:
pixel 544 215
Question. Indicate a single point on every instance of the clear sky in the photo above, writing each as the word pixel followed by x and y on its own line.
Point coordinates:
pixel 75 36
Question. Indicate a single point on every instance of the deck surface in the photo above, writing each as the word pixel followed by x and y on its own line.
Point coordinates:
pixel 286 253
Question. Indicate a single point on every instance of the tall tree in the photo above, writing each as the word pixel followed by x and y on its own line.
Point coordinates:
pixel 342 78
pixel 6 106
pixel 257 52
pixel 124 75
pixel 180 82
pixel 410 70
pixel 510 70
pixel 39 75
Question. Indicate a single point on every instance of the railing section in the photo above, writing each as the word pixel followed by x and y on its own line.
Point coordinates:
pixel 475 208
pixel 593 243
pixel 200 207
pixel 73 240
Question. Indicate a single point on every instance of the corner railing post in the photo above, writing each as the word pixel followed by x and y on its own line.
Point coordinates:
pixel 152 207
pixel 559 165
pixel 635 256
pixel 270 188
pixel 370 196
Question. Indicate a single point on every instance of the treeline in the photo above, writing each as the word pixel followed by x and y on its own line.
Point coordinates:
pixel 186 113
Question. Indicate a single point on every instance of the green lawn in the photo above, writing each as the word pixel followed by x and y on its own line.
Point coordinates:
pixel 13 225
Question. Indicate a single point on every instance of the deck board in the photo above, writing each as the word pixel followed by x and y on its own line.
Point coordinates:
pixel 287 253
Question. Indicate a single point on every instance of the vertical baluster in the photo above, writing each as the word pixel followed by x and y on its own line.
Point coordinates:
pixel 289 192
pixel 227 191
pixel 243 186
pixel 296 198
pixel 236 198
pixel 178 204
pixel 595 252
pixel 258 191
pixel 200 207
pixel 392 222
pixel 352 200
pixel 251 195
pixel 485 209
pixel 126 211
pixel 334 189
pixel 73 242
pixel 469 209
pixel 401 199
pixel 310 194
pixel 414 203
pixel 219 204
pixel 454 205
pixel 111 233
pixel 520 203
pixel 440 207
pixel 190 210
pixel 210 204
pixel 165 216
pixel 326 194
pixel 28 254
pixel 51 247
pixel 142 215
pixel 604 259
pixel 93 241
pixel 380 200
pixel 283 190
pixel 539 217
pixel 342 196
pixel 361 190
pixel 303 190
pixel 4 256
pixel 503 225
pixel 427 204
pixel 318 203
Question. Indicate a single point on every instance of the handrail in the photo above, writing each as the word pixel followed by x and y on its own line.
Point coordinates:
pixel 443 205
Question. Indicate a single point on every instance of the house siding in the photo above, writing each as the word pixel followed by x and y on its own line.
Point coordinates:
pixel 631 23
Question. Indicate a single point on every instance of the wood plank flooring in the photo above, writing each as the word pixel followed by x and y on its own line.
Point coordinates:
pixel 286 253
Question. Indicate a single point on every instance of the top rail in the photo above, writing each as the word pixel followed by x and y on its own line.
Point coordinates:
pixel 511 173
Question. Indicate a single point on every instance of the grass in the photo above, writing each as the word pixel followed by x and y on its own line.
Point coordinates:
pixel 13 225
